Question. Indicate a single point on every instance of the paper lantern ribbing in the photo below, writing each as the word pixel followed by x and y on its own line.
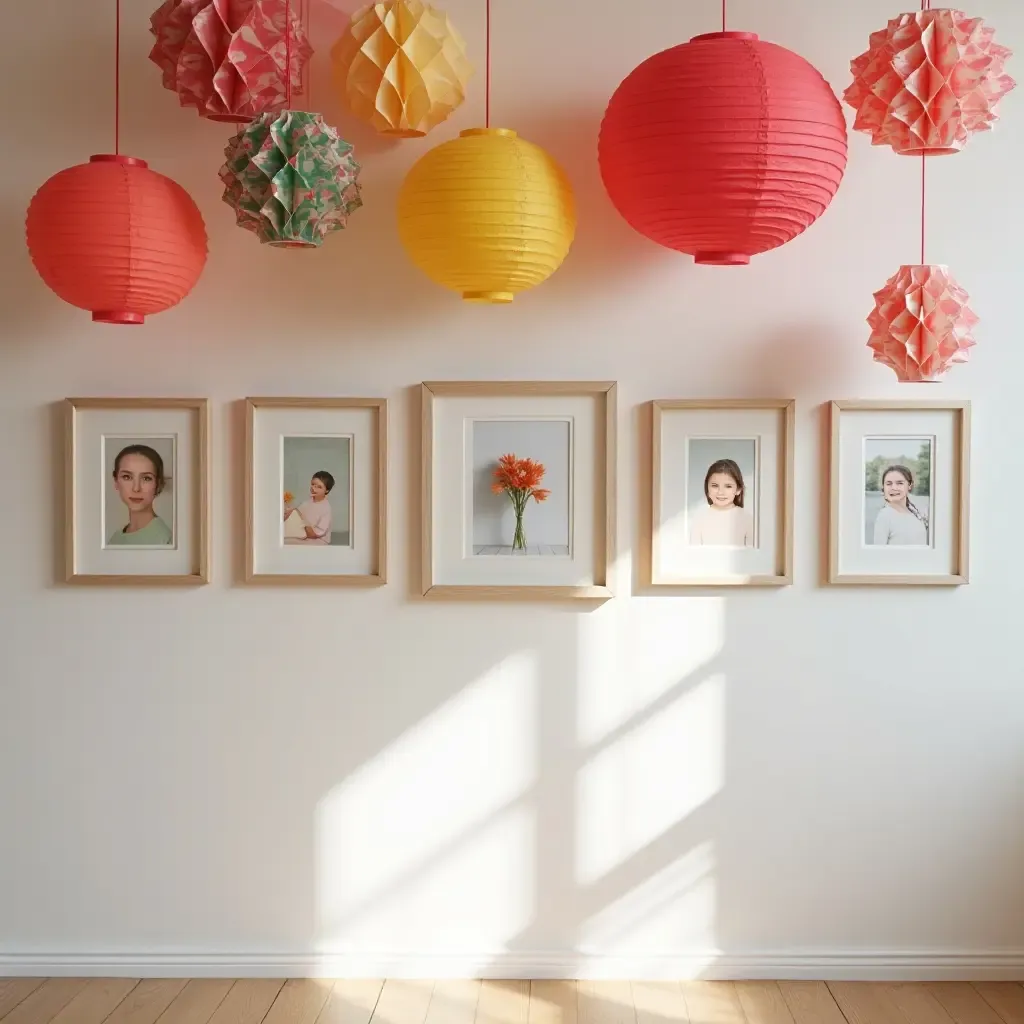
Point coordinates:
pixel 290 179
pixel 928 81
pixel 487 215
pixel 227 58
pixel 921 324
pixel 401 65
pixel 723 147
pixel 113 237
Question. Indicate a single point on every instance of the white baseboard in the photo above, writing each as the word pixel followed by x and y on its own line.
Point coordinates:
pixel 814 966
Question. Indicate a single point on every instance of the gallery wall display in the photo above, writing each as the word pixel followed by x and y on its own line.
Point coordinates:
pixel 898 512
pixel 721 493
pixel 316 491
pixel 137 491
pixel 518 489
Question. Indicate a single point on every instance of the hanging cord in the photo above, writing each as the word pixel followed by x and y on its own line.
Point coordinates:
pixel 288 54
pixel 117 77
pixel 723 15
pixel 925 4
pixel 487 67
pixel 309 64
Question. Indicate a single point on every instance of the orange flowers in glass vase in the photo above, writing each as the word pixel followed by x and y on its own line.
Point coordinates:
pixel 519 479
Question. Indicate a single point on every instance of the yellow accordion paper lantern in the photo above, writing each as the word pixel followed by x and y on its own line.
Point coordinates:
pixel 487 215
pixel 401 66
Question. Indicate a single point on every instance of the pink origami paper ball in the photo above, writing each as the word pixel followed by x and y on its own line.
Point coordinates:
pixel 921 324
pixel 928 81
pixel 227 58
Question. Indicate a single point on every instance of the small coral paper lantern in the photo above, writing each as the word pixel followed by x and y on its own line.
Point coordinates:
pixel 487 215
pixel 921 324
pixel 113 237
pixel 401 65
pixel 290 179
pixel 723 147
pixel 227 58
pixel 928 81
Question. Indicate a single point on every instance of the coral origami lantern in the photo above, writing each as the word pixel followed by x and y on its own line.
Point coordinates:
pixel 921 324
pixel 113 237
pixel 723 147
pixel 290 179
pixel 228 58
pixel 401 66
pixel 928 81
pixel 487 215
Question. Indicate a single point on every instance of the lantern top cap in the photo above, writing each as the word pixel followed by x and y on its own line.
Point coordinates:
pixel 752 36
pixel 507 133
pixel 117 158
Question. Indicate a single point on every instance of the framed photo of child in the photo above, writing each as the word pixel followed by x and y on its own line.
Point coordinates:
pixel 316 484
pixel 518 489
pixel 137 490
pixel 721 493
pixel 899 492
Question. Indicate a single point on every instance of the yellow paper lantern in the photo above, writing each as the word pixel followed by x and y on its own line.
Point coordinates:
pixel 401 65
pixel 487 214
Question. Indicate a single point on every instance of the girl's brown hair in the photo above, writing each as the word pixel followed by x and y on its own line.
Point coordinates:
pixel 730 468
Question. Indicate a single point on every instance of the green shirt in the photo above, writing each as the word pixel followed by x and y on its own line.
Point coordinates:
pixel 154 532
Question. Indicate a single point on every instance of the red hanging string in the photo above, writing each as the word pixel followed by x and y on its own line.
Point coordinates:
pixel 723 15
pixel 288 54
pixel 925 4
pixel 117 77
pixel 307 21
pixel 487 68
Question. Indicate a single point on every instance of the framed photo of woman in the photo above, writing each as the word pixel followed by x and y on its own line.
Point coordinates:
pixel 898 513
pixel 137 490
pixel 316 486
pixel 721 493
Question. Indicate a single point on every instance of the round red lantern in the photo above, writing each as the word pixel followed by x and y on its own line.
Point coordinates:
pixel 723 147
pixel 116 238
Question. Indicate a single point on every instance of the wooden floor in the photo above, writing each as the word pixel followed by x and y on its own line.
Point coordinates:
pixel 216 1001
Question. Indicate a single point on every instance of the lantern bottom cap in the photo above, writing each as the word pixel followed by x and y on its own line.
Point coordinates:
pixel 402 133
pixel 929 151
pixel 116 316
pixel 289 244
pixel 721 259
pixel 492 297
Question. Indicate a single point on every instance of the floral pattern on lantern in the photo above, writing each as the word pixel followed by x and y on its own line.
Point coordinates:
pixel 401 66
pixel 227 58
pixel 290 178
pixel 921 324
pixel 928 81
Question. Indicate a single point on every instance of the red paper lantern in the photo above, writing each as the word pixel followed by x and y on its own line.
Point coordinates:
pixel 723 147
pixel 116 238
pixel 921 324
pixel 227 58
pixel 928 81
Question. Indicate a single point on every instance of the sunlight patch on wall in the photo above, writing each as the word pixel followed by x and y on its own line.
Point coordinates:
pixel 635 796
pixel 428 828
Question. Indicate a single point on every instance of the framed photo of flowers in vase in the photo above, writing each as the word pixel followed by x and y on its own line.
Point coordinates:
pixel 316 486
pixel 518 489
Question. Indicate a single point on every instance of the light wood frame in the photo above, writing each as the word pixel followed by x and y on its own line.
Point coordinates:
pixel 649 538
pixel 962 485
pixel 375 579
pixel 201 564
pixel 604 498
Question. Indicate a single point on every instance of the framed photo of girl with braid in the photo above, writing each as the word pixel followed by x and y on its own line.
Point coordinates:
pixel 899 497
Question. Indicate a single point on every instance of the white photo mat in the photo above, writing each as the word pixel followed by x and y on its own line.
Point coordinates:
pixel 271 423
pixel 677 490
pixel 942 558
pixel 91 422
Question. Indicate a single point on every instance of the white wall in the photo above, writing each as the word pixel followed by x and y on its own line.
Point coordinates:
pixel 809 771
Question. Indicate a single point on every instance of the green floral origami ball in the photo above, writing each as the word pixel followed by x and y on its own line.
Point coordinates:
pixel 290 178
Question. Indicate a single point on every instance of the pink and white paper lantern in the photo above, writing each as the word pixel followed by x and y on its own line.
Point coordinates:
pixel 928 81
pixel 921 324
pixel 227 58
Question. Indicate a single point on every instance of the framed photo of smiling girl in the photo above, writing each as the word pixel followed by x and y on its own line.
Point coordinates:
pixel 137 490
pixel 721 493
pixel 898 513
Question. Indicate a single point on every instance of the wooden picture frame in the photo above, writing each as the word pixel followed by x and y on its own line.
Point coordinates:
pixel 195 529
pixel 376 575
pixel 956 501
pixel 782 412
pixel 602 519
